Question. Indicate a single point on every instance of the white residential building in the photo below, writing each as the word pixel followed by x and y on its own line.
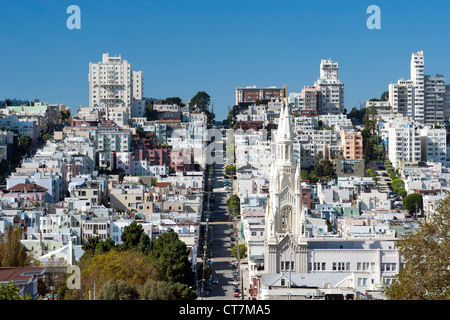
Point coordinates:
pixel 434 145
pixel 404 145
pixel 113 83
pixel 331 89
pixel 417 77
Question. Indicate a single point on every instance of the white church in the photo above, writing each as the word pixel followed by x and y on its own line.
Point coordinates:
pixel 298 266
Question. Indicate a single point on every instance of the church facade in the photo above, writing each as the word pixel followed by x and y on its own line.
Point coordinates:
pixel 295 259
pixel 285 244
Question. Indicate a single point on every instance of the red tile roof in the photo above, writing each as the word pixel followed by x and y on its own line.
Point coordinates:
pixel 17 274
pixel 27 187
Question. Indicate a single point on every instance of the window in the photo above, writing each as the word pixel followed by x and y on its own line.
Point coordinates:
pixel 362 282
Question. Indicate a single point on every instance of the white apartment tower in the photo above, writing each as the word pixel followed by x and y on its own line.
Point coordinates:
pixel 422 98
pixel 418 80
pixel 331 98
pixel 113 84
pixel 434 99
pixel 404 144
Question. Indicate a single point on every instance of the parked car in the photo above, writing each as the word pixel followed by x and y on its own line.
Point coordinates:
pixel 215 281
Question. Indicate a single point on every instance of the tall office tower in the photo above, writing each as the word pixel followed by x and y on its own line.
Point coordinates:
pixel 113 84
pixel 417 78
pixel 434 99
pixel 331 89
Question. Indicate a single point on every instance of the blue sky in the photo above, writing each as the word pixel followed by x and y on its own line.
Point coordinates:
pixel 215 46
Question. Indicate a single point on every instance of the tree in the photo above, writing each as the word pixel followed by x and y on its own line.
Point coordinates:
pixel 200 102
pixel 156 290
pixel 25 143
pixel 242 251
pixel 304 174
pixel 385 96
pixel 230 170
pixel 173 100
pixel 131 266
pixel 425 254
pixel 4 166
pixel 12 252
pixel 134 238
pixel 117 290
pixel 47 136
pixel 171 259
pixel 234 205
pixel 65 115
pixel 10 292
pixel 413 203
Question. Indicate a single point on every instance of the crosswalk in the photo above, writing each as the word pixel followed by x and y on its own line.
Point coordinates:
pixel 217 222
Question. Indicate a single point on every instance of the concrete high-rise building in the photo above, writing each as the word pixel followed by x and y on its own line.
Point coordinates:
pixel 331 98
pixel 418 80
pixel 113 84
pixel 401 97
pixel 404 145
pixel 434 99
pixel 422 98
pixel 434 145
pixel 447 105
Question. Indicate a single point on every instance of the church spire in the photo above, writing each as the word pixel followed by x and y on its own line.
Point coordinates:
pixel 285 125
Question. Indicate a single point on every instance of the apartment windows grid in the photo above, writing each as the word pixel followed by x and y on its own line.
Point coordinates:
pixel 365 266
pixel 389 267
pixel 341 266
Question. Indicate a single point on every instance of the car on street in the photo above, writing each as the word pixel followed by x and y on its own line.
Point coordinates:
pixel 215 281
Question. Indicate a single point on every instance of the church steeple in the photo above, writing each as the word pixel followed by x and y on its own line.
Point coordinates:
pixel 286 221
pixel 285 137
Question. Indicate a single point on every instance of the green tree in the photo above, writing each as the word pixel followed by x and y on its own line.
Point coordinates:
pixel 117 290
pixel 425 254
pixel 156 290
pixel 8 291
pixel 4 166
pixel 242 251
pixel 304 174
pixel 413 203
pixel 90 245
pixel 200 102
pixel 134 238
pixel 173 100
pixel 234 205
pixel 65 115
pixel 12 252
pixel 47 136
pixel 230 170
pixel 171 259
